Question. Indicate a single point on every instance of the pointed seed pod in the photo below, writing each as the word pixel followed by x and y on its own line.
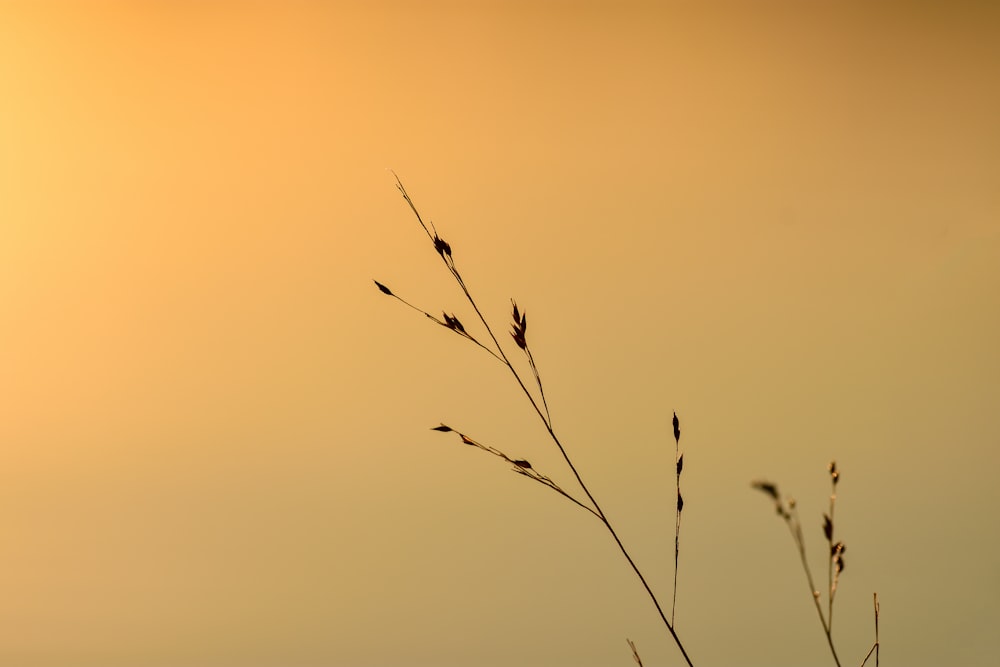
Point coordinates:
pixel 382 288
pixel 452 322
pixel 442 246
pixel 442 428
pixel 519 327
pixel 521 463
pixel 827 527
pixel 677 428
pixel 519 339
pixel 769 488
pixel 680 464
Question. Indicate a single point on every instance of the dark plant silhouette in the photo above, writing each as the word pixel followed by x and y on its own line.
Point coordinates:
pixel 787 509
pixel 587 502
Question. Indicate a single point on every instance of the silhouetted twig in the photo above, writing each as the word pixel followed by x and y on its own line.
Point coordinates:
pixel 679 465
pixel 875 646
pixel 635 652
pixel 786 509
pixel 519 335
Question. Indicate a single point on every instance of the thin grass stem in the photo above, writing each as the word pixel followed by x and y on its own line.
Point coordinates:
pixel 875 646
pixel 796 528
pixel 539 403
pixel 444 251
pixel 678 466
pixel 635 652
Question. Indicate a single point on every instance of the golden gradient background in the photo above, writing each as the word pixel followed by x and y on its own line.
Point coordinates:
pixel 779 219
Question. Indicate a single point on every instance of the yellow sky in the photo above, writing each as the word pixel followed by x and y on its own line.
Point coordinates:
pixel 780 220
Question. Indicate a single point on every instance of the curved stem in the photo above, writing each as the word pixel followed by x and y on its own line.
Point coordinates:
pixel 813 591
pixel 449 262
pixel 604 519
pixel 562 450
pixel 677 527
pixel 831 591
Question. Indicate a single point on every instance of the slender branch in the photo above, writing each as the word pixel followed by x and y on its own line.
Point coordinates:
pixel 451 322
pixel 555 487
pixel 877 642
pixel 678 465
pixel 787 510
pixel 635 652
pixel 874 648
pixel 538 380
pixel 520 466
pixel 835 562
pixel 814 592
pixel 870 651
pixel 607 523
pixel 444 250
pixel 830 589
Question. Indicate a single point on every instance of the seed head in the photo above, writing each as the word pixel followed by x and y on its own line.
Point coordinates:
pixel 769 488
pixel 442 246
pixel 520 326
pixel 453 323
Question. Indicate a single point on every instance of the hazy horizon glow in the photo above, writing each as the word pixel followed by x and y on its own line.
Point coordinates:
pixel 779 221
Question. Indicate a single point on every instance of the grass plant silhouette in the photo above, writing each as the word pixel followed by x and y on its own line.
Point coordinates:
pixel 587 502
pixel 787 509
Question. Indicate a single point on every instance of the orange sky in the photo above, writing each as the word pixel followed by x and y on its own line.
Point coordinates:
pixel 780 221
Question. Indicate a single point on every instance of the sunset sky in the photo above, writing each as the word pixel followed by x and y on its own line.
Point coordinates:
pixel 780 219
